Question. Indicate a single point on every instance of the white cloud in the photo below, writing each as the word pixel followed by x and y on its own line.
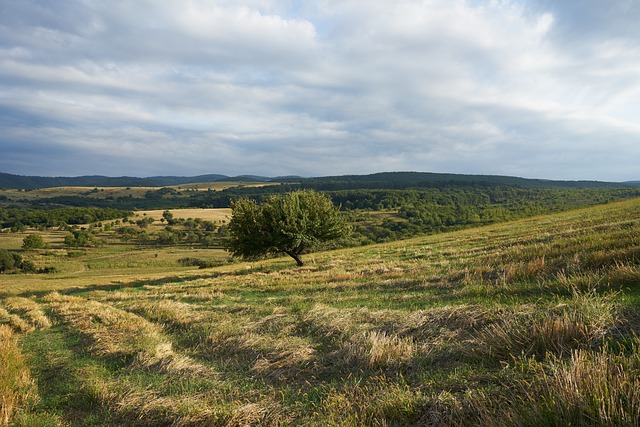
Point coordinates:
pixel 279 87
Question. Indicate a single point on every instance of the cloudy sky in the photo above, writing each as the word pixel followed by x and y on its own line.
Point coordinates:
pixel 531 88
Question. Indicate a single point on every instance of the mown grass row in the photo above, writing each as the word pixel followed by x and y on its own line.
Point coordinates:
pixel 530 323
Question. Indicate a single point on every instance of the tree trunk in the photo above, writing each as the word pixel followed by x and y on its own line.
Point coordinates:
pixel 296 257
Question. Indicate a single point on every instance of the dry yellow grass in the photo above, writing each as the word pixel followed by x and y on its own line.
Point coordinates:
pixel 133 406
pixel 605 386
pixel 17 389
pixel 374 349
pixel 214 215
pixel 379 401
pixel 11 240
pixel 15 321
pixel 118 333
pixel 29 309
pixel 167 311
pixel 582 322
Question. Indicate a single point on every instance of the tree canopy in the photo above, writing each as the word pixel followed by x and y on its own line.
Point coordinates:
pixel 33 241
pixel 290 223
pixel 7 260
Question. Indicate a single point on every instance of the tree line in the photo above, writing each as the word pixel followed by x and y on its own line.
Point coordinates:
pixel 420 211
pixel 19 218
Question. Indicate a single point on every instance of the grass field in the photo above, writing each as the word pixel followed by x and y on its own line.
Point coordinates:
pixel 217 215
pixel 530 323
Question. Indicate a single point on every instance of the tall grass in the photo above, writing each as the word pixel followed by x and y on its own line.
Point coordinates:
pixel 17 389
pixel 589 388
pixel 584 321
pixel 374 349
pixel 29 309
pixel 592 387
pixel 15 321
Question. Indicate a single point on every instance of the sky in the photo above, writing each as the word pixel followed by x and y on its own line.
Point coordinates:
pixel 530 88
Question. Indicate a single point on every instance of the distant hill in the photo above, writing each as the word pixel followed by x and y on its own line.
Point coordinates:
pixel 402 180
pixel 32 182
pixel 383 180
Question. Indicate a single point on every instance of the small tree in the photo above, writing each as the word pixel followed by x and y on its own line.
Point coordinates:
pixel 168 216
pixel 33 241
pixel 292 224
pixel 80 238
pixel 7 261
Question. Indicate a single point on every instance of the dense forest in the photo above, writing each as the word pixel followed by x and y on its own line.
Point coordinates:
pixel 19 218
pixel 420 211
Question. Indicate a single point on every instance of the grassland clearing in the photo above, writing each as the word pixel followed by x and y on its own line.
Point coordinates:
pixel 487 326
pixel 216 215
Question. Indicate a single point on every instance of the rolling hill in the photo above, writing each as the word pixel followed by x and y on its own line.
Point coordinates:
pixel 384 180
pixel 532 322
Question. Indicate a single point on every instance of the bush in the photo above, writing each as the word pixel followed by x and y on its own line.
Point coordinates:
pixel 195 262
pixel 28 266
pixel 80 238
pixel 33 241
pixel 7 261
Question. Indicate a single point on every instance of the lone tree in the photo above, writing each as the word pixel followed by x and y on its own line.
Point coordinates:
pixel 291 223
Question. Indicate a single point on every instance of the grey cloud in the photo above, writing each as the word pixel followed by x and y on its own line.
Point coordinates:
pixel 591 20
pixel 146 87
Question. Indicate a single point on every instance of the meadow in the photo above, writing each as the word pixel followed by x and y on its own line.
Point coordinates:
pixel 527 323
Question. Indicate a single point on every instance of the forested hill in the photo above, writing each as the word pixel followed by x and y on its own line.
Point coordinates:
pixel 384 180
pixel 32 182
pixel 405 180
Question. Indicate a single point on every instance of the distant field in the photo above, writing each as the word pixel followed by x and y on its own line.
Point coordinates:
pixel 115 192
pixel 215 215
pixel 527 323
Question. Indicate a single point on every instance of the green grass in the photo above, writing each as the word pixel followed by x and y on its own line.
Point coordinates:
pixel 486 326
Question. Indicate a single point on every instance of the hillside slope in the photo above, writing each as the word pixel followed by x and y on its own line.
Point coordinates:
pixel 526 323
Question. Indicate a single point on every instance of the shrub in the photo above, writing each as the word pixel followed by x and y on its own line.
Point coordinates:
pixel 7 261
pixel 47 270
pixel 195 262
pixel 80 238
pixel 33 241
pixel 28 266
